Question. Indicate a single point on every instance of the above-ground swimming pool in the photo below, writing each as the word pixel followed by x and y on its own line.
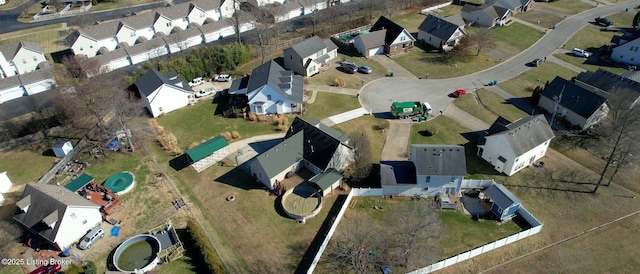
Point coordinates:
pixel 302 202
pixel 120 183
pixel 137 254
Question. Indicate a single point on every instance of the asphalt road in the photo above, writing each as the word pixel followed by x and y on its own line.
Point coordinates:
pixel 378 95
pixel 9 18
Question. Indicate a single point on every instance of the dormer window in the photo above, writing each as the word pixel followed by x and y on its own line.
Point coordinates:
pixel 24 204
pixel 132 34
pixel 168 24
pixel 202 15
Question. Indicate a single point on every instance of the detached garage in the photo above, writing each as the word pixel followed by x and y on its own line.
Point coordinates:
pixel 327 181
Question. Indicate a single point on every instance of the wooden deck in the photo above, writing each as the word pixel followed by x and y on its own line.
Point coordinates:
pixel 448 201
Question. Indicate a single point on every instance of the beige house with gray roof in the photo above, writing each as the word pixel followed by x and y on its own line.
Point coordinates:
pixel 20 58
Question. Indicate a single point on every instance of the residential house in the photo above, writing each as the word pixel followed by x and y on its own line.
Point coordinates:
pixel 311 145
pixel 311 6
pixel 433 170
pixel 262 3
pixel 20 58
pixel 627 53
pixel 572 103
pixel 26 84
pixel 504 204
pixel 89 40
pixel 384 37
pixel 113 60
pixel 163 93
pixel 516 6
pixel 440 33
pixel 486 15
pixel 307 57
pixel 286 11
pixel 270 89
pixel 56 214
pixel 604 82
pixel 510 147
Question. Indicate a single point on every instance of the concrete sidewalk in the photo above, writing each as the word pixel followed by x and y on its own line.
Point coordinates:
pixel 392 66
pixel 345 116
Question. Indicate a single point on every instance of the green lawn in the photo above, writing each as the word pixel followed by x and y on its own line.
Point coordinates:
pixel 10 4
pixel 447 131
pixel 514 38
pixel 420 62
pixel 409 21
pixel 494 106
pixel 328 104
pixel 50 37
pixel 448 10
pixel 538 17
pixel 569 7
pixel 354 81
pixel 522 85
pixel 197 123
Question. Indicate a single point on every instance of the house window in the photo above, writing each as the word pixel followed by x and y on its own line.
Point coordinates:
pixel 312 68
pixel 201 15
pixel 269 97
pixel 185 19
pixel 427 179
pixel 84 221
pixel 80 48
pixel 90 46
pixel 402 38
pixel 73 216
pixel 132 34
pixel 24 61
pixel 35 58
pixel 168 24
pixel 259 109
pixel 160 109
pixel 319 53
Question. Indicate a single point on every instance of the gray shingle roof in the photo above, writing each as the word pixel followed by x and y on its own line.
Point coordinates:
pixel 208 4
pixel 176 11
pixel 438 27
pixel 109 56
pixel 525 133
pixel 272 74
pixel 440 160
pixel 608 81
pixel 102 30
pixel 215 26
pixel 575 98
pixel 501 196
pixel 43 201
pixel 456 19
pixel 140 21
pixel 10 50
pixel 146 46
pixel 153 79
pixel 373 39
pixel 312 45
pixel 36 76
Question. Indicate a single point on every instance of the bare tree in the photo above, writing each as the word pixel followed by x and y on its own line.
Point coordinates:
pixel 416 224
pixel 623 126
pixel 482 39
pixel 361 166
pixel 356 246
pixel 239 18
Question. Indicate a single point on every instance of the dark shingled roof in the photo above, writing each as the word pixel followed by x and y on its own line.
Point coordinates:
pixel 501 196
pixel 43 200
pixel 397 172
pixel 272 74
pixel 438 27
pixel 153 79
pixel 439 160
pixel 393 29
pixel 607 81
pixel 523 134
pixel 320 141
pixel 575 98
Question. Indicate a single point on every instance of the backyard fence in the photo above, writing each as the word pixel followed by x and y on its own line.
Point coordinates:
pixel 285 44
pixel 53 171
pixel 429 9
pixel 64 12
pixel 536 226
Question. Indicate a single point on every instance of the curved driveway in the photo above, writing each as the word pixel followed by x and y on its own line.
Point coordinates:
pixel 378 95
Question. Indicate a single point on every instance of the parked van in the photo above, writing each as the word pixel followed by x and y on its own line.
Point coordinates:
pixel 91 237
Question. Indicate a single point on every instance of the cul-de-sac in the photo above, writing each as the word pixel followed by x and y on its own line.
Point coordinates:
pixel 319 136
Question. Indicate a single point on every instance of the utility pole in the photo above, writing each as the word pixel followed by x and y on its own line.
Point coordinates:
pixel 555 108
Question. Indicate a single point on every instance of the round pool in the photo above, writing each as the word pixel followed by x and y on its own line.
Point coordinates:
pixel 120 183
pixel 137 254
pixel 302 202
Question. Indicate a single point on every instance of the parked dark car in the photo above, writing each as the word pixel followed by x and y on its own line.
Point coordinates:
pixel 604 21
pixel 349 67
pixel 536 62
pixel 365 69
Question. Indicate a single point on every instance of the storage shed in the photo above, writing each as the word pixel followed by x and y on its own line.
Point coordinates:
pixel 208 153
pixel 504 203
pixel 62 148
pixel 5 183
pixel 327 180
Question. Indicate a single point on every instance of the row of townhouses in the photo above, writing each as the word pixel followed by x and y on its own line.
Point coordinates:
pixel 24 70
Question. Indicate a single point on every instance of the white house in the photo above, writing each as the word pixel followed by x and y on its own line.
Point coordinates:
pixel 270 89
pixel 433 170
pixel 56 214
pixel 573 103
pixel 627 53
pixel 311 6
pixel 214 31
pixel 307 57
pixel 26 84
pixel 384 37
pixel 510 147
pixel 62 148
pixel 5 183
pixel 486 15
pixel 311 145
pixel 516 6
pixel 440 33
pixel 20 58
pixel 163 93
pixel 261 3
pixel 286 11
pixel 148 50
pixel 113 60
pixel 89 40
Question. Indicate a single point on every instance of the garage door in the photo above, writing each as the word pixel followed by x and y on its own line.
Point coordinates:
pixel 11 94
pixel 40 87
pixel 120 63
pixel 376 51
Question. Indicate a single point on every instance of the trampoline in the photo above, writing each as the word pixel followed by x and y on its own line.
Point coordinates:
pixel 120 183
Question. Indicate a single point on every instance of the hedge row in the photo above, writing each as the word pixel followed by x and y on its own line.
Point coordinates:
pixel 202 242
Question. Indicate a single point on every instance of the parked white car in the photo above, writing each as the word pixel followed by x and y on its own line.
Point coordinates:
pixel 581 53
pixel 91 237
pixel 196 82
pixel 204 92
pixel 222 78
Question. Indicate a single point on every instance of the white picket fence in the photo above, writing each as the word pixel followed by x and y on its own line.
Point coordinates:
pixel 536 226
pixel 64 12
pixel 429 9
